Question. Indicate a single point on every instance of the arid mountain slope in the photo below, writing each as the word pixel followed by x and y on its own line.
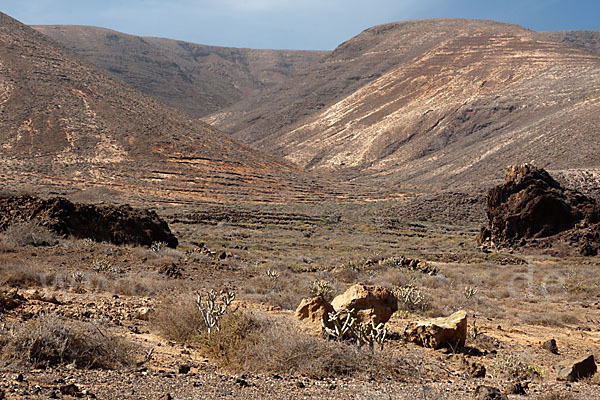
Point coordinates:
pixel 195 78
pixel 67 127
pixel 458 101
pixel 588 40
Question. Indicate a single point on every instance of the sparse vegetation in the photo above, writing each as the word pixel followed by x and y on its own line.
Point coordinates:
pixel 249 342
pixel 49 341
pixel 29 233
pixel 513 367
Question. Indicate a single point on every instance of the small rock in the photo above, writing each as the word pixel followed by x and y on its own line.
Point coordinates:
pixel 143 313
pixel 551 346
pixel 70 390
pixel 476 370
pixel 242 382
pixel 489 393
pixel 166 397
pixel 439 332
pixel 371 303
pixel 19 378
pixel 184 369
pixel 223 255
pixel 516 388
pixel 575 370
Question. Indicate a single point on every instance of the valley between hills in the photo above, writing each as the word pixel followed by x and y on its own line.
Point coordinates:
pixel 148 181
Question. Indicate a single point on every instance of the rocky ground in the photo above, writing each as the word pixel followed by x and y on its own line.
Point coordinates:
pixel 514 302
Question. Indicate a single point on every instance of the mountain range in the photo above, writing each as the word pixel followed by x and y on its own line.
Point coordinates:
pixel 441 104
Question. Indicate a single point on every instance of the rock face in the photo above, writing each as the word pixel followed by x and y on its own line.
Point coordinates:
pixel 576 370
pixel 439 332
pixel 314 312
pixel 532 205
pixel 115 224
pixel 371 303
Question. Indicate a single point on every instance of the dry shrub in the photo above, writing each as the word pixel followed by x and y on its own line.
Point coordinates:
pixel 249 342
pixel 20 276
pixel 286 291
pixel 178 319
pixel 135 285
pixel 49 340
pixel 513 367
pixel 29 233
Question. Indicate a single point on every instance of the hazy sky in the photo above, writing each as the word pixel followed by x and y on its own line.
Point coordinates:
pixel 290 24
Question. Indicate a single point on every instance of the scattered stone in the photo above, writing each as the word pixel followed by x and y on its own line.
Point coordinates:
pixel 516 388
pixel 242 382
pixel 371 303
pixel 489 393
pixel 19 378
pixel 476 370
pixel 551 346
pixel 143 313
pixel 166 397
pixel 439 332
pixel 223 255
pixel 184 369
pixel 315 312
pixel 70 390
pixel 173 270
pixel 576 370
pixel 11 300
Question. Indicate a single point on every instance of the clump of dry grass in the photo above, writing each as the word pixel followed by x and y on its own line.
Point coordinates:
pixel 514 367
pixel 29 233
pixel 250 342
pixel 178 319
pixel 20 276
pixel 49 340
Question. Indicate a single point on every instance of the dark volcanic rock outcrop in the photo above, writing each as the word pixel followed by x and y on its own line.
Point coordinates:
pixel 532 205
pixel 116 224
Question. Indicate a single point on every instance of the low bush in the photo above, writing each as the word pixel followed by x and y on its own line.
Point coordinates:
pixel 249 342
pixel 29 233
pixel 49 340
pixel 178 319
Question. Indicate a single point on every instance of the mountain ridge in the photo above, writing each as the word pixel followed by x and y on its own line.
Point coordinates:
pixel 67 127
pixel 454 109
pixel 198 79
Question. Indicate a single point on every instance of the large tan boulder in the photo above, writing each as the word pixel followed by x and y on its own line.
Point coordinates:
pixel 439 332
pixel 314 312
pixel 371 303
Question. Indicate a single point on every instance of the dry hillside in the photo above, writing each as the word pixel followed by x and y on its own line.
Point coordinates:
pixel 588 40
pixel 67 127
pixel 196 78
pixel 437 103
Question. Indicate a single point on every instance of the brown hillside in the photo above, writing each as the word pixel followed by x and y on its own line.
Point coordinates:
pixel 195 78
pixel 587 40
pixel 456 102
pixel 66 127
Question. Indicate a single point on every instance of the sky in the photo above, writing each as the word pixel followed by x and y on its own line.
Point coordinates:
pixel 291 24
